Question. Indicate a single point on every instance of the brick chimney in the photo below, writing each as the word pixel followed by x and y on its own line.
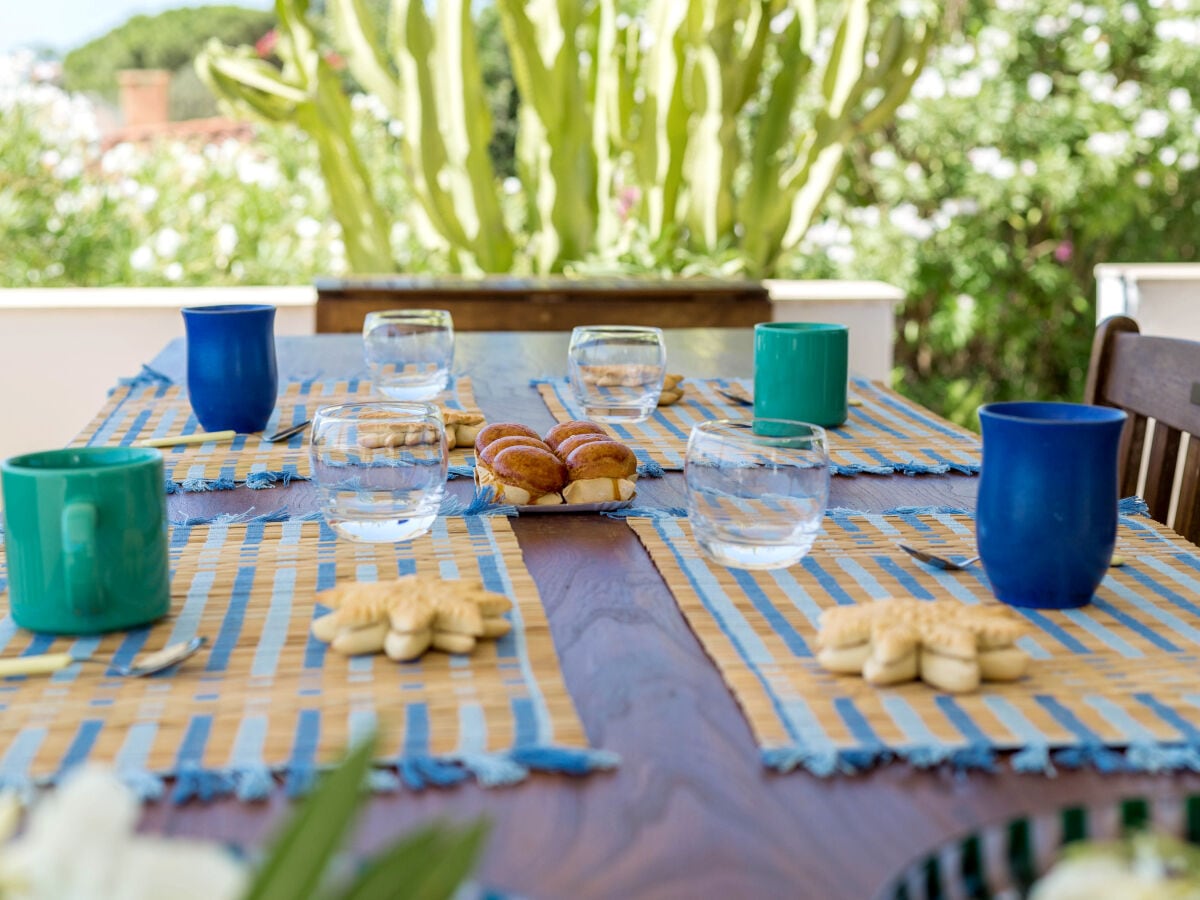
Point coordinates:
pixel 144 96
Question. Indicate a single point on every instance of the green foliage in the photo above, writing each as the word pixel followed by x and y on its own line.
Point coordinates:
pixel 169 40
pixel 1040 143
pixel 428 864
pixel 630 140
pixel 72 214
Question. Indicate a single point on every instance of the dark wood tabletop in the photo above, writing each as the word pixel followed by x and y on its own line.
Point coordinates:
pixel 690 812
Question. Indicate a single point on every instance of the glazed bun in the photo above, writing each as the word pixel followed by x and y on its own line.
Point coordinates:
pixel 497 430
pixel 531 469
pixel 564 430
pixel 601 459
pixel 563 450
pixel 488 453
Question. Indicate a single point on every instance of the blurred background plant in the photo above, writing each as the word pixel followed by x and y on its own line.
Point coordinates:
pixel 702 129
pixel 1048 137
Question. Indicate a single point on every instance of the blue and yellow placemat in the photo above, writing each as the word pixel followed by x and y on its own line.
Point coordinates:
pixel 266 699
pixel 1113 684
pixel 153 406
pixel 884 434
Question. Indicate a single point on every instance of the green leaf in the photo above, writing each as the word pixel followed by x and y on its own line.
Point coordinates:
pixel 300 856
pixel 427 865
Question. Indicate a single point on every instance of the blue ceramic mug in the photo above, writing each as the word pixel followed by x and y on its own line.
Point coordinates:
pixel 1047 510
pixel 231 372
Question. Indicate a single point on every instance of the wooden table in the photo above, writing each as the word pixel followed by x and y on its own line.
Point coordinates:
pixel 690 812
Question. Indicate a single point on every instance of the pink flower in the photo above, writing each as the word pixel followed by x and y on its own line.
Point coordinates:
pixel 1064 251
pixel 265 45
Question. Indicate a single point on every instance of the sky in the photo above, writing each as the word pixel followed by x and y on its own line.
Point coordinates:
pixel 66 24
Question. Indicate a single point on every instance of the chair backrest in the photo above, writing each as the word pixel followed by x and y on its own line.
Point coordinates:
pixel 1152 378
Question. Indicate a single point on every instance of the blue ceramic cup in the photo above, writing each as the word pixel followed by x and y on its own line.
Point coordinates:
pixel 231 372
pixel 1046 521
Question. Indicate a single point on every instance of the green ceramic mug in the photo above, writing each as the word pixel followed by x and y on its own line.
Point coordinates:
pixel 800 371
pixel 86 539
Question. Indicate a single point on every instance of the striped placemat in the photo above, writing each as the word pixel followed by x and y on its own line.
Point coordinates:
pixel 884 434
pixel 266 699
pixel 152 406
pixel 1112 684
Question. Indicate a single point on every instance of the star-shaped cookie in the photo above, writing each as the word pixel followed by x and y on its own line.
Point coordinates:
pixel 406 616
pixel 946 644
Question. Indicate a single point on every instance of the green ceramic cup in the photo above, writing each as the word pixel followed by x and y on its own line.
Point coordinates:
pixel 86 539
pixel 800 371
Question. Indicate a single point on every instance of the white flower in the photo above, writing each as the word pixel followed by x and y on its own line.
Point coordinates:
pixel 307 228
pixel 1168 156
pixel 1111 143
pixel 1126 94
pixel 1142 178
pixel 80 845
pixel 1182 30
pixel 1179 100
pixel 929 85
pixel 147 196
pixel 173 272
pixel 969 84
pixel 1130 13
pixel 1151 123
pixel 1039 85
pixel 227 239
pixel 512 185
pixel 141 259
pixel 196 204
pixel 906 218
pixel 1189 161
pixel 1028 168
pixel 167 243
pixel 1049 27
pixel 883 159
pixel 396 128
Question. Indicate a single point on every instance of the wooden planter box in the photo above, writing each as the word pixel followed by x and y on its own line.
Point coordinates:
pixel 547 304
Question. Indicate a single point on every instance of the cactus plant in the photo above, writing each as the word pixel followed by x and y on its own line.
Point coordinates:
pixel 710 127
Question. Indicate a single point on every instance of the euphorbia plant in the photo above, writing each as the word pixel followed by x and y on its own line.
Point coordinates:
pixel 702 128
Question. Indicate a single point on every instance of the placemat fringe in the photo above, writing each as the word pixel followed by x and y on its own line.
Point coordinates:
pixel 257 481
pixel 647 512
pixel 254 783
pixel 145 785
pixel 200 485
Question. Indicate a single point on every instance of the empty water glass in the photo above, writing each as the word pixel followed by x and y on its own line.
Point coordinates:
pixel 617 371
pixel 409 351
pixel 757 490
pixel 380 468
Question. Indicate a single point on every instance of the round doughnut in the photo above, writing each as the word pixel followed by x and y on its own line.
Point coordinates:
pixel 530 468
pixel 564 430
pixel 488 453
pixel 601 459
pixel 491 432
pixel 564 448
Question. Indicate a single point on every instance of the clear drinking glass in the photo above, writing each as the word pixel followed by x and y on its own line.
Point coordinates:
pixel 757 490
pixel 409 351
pixel 380 468
pixel 617 371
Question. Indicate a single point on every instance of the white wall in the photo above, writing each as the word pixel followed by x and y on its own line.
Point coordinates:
pixel 62 349
pixel 867 307
pixel 1164 298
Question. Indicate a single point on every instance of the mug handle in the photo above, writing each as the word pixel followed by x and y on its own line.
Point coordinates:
pixel 80 558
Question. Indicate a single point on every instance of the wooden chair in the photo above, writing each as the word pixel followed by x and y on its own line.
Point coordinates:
pixel 1152 378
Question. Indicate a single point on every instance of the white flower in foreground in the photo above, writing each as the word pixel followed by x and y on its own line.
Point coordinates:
pixel 80 845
